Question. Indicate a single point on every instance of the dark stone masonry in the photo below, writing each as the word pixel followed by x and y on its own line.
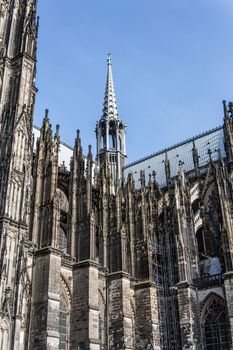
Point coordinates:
pixel 104 255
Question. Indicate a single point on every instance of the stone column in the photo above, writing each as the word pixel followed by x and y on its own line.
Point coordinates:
pixel 17 334
pixel 189 316
pixel 147 319
pixel 44 328
pixel 85 307
pixel 228 284
pixel 120 328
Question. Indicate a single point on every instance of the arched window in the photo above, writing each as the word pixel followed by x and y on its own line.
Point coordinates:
pixel 101 142
pixel 112 141
pixel 215 327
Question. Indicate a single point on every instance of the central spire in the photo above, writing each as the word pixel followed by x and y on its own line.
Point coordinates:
pixel 110 110
pixel 110 132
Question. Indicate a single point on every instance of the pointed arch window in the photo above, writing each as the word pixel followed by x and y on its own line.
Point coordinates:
pixel 112 141
pixel 101 142
pixel 215 327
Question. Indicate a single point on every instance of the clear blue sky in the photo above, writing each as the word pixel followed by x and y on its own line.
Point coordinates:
pixel 172 67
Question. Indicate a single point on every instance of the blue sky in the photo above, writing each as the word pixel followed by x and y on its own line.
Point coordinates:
pixel 172 67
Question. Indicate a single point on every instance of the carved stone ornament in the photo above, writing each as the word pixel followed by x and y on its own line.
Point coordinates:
pixel 3 7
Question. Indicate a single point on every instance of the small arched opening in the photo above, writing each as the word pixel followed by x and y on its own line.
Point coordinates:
pixel 112 140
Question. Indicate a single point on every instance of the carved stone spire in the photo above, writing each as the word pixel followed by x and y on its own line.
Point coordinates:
pixel 167 169
pixel 110 110
pixel 195 159
pixel 110 132
pixel 228 131
pixel 226 115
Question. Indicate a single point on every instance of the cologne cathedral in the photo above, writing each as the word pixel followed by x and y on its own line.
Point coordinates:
pixel 97 254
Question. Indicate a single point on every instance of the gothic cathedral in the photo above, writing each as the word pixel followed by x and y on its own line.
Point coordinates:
pixel 100 254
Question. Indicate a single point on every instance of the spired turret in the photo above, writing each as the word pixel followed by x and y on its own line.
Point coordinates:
pixel 110 131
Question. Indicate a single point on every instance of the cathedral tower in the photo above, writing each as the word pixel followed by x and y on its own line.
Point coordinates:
pixel 110 131
pixel 18 35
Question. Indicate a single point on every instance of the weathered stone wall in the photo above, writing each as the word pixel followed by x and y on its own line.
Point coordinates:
pixel 146 320
pixel 44 332
pixel 119 311
pixel 189 317
pixel 103 321
pixel 85 307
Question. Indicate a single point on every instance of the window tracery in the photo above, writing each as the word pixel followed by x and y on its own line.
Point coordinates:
pixel 216 332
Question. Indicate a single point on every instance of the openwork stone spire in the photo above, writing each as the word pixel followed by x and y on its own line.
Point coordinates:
pixel 110 106
pixel 110 132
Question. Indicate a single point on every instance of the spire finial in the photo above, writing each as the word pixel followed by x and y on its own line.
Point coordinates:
pixel 109 60
pixel 46 113
pixel 226 115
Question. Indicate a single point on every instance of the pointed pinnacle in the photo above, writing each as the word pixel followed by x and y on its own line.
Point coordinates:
pixel 46 119
pixel 109 60
pixel 225 109
pixel 57 130
pixel 89 151
pixel 110 105
pixel 46 114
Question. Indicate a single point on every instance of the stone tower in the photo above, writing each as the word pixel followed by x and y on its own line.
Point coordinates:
pixel 110 131
pixel 18 35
